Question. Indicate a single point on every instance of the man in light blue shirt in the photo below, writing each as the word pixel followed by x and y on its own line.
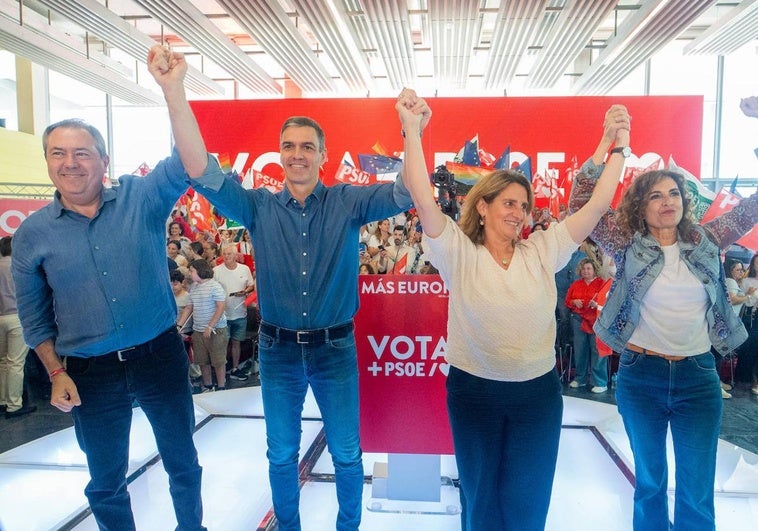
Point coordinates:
pixel 93 290
pixel 306 253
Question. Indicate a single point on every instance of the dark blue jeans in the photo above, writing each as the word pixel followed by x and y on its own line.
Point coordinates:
pixel 506 445
pixel 160 385
pixel 586 355
pixel 652 395
pixel 331 369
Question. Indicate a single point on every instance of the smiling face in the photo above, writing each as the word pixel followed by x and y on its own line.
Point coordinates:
pixel 301 156
pixel 75 167
pixel 664 209
pixel 504 217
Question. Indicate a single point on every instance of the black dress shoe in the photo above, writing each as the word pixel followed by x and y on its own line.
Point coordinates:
pixel 20 412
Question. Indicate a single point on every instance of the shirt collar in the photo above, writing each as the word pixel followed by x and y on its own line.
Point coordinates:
pixel 318 193
pixel 107 194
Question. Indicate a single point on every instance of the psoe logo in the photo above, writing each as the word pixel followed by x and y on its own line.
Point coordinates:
pixel 406 356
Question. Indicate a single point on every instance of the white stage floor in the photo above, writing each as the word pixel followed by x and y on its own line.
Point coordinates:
pixel 42 482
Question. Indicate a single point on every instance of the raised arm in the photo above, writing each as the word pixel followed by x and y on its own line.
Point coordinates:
pixel 616 127
pixel 414 114
pixel 169 68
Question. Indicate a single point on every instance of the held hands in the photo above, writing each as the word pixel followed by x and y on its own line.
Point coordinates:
pixel 749 106
pixel 414 113
pixel 617 125
pixel 166 67
pixel 64 395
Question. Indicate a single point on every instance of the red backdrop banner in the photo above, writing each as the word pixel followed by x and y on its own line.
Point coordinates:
pixel 548 130
pixel 14 210
pixel 401 331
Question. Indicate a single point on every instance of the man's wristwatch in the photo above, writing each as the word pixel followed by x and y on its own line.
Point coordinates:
pixel 625 151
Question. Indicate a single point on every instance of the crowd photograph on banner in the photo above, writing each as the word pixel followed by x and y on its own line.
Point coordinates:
pixel 358 265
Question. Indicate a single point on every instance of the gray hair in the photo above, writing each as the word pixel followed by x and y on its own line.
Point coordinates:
pixel 77 123
pixel 304 121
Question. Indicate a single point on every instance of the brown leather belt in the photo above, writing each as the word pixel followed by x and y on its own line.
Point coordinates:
pixel 646 352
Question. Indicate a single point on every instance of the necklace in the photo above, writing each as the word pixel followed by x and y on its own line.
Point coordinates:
pixel 505 261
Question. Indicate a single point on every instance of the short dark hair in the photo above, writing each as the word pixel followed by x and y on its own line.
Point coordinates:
pixel 197 248
pixel 304 121
pixel 202 267
pixel 176 276
pixel 175 242
pixel 77 123
pixel 5 245
pixel 399 227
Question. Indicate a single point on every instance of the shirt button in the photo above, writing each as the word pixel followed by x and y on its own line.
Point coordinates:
pixel 303 214
pixel 97 247
pixel 305 293
pixel 304 234
pixel 121 326
pixel 305 254
pixel 304 314
pixel 105 273
pixel 303 273
pixel 113 299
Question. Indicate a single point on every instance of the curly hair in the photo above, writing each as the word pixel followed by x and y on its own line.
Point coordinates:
pixel 631 210
pixel 488 188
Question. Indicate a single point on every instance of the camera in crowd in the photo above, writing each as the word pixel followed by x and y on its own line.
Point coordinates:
pixel 444 181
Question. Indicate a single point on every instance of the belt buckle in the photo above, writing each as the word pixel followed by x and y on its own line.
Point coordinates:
pixel 304 334
pixel 120 353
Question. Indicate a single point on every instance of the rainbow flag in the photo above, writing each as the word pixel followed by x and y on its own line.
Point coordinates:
pixel 466 174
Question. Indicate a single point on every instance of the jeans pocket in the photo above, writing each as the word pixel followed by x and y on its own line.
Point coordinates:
pixel 265 341
pixel 344 342
pixel 705 362
pixel 76 366
pixel 629 359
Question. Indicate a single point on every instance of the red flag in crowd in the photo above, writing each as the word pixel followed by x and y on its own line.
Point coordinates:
pixel 400 266
pixel 199 212
pixel 724 202
pixel 351 175
pixel 261 180
pixel 631 174
pixel 142 170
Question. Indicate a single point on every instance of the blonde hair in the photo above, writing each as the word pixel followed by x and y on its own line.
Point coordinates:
pixel 488 188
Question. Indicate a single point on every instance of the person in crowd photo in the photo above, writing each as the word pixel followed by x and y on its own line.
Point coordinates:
pixel 580 299
pixel 176 232
pixel 173 248
pixel 210 336
pixel 380 239
pixel 747 353
pixel 668 305
pixel 503 394
pixel 13 350
pixel 306 283
pixel 400 256
pixel 237 281
pixel 96 304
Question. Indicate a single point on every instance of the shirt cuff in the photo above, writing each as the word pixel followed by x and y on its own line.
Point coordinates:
pixel 213 177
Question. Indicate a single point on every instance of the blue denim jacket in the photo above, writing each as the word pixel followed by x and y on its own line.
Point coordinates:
pixel 639 261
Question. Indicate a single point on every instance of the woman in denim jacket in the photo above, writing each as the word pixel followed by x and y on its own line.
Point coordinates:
pixel 667 305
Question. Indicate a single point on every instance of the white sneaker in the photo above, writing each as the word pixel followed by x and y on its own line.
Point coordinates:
pixel 725 386
pixel 574 384
pixel 724 394
pixel 598 389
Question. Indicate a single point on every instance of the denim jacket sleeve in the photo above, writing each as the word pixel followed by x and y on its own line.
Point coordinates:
pixel 606 233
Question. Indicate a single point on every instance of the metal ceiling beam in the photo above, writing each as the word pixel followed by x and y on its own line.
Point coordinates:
pixel 331 28
pixel 455 28
pixel 569 35
pixel 731 32
pixel 41 49
pixel 272 29
pixel 389 26
pixel 202 34
pixel 640 36
pixel 112 29
pixel 515 26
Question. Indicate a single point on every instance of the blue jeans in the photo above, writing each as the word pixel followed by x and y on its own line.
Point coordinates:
pixel 652 395
pixel 331 369
pixel 107 388
pixel 506 444
pixel 586 355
